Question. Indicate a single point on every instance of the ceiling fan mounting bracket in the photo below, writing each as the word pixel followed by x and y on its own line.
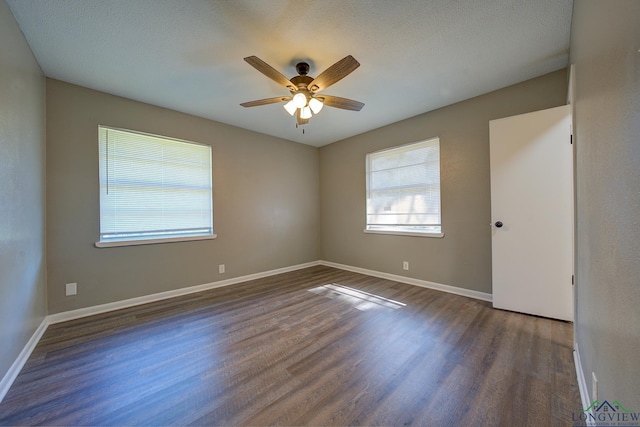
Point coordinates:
pixel 302 68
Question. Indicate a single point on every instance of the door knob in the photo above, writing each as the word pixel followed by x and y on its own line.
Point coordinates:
pixel 499 224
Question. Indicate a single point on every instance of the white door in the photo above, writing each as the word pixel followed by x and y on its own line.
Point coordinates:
pixel 532 213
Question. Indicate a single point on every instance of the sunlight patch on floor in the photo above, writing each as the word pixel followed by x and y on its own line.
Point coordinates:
pixel 359 299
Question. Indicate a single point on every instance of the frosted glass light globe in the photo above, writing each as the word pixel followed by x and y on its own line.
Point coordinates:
pixel 299 100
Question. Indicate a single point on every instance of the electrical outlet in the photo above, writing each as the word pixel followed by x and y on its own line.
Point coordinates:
pixel 594 387
pixel 221 269
pixel 405 265
pixel 71 289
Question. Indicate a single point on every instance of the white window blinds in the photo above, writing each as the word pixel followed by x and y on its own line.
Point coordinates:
pixel 403 188
pixel 153 187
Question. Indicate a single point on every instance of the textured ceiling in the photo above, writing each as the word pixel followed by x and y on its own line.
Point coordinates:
pixel 187 55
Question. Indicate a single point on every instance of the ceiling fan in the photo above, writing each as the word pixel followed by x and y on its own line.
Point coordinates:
pixel 305 100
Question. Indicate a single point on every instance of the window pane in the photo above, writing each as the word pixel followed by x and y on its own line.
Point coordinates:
pixel 403 187
pixel 153 187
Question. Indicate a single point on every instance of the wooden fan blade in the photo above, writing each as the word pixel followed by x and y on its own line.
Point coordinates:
pixel 336 72
pixel 337 102
pixel 270 72
pixel 266 101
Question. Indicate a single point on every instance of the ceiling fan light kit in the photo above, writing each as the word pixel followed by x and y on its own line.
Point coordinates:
pixel 315 105
pixel 303 102
pixel 290 107
pixel 299 100
pixel 305 113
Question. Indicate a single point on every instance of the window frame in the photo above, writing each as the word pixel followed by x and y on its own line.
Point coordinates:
pixel 159 239
pixel 398 231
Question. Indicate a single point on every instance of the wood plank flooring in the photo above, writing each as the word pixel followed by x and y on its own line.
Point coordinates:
pixel 318 346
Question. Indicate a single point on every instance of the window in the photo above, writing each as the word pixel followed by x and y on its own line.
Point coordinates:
pixel 403 190
pixel 153 189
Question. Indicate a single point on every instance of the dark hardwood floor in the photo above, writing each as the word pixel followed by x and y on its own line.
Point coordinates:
pixel 318 346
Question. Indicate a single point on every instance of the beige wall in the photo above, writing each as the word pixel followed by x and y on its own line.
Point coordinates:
pixel 267 197
pixel 265 203
pixel 605 39
pixel 463 257
pixel 22 190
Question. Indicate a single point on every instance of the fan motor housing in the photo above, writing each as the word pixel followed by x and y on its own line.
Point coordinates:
pixel 301 81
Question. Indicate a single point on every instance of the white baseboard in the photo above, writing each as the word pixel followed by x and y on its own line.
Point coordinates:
pixel 14 370
pixel 582 383
pixel 411 281
pixel 117 305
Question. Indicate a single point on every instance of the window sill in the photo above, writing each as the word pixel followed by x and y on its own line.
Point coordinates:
pixel 111 244
pixel 405 233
